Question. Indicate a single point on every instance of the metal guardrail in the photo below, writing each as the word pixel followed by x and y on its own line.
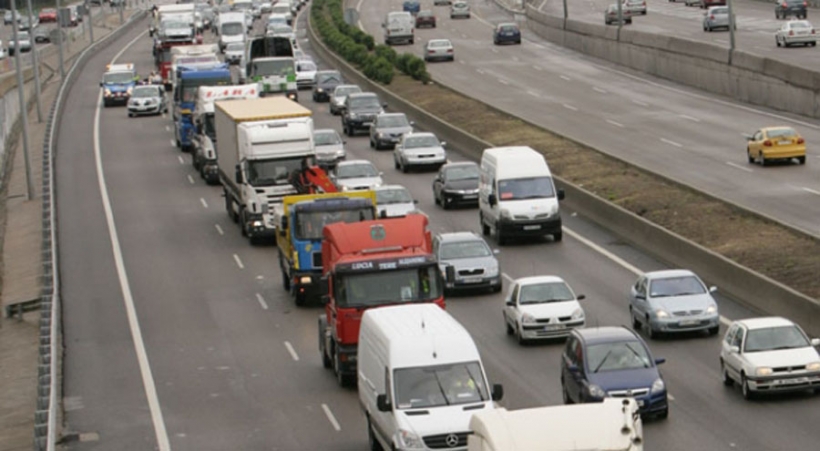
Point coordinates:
pixel 49 368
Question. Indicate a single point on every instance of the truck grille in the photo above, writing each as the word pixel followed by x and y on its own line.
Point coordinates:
pixel 317 259
pixel 447 441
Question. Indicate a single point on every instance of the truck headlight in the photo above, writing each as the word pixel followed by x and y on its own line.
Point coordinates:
pixel 763 371
pixel 340 153
pixel 658 386
pixel 409 440
pixel 129 90
pixel 257 223
pixel 107 92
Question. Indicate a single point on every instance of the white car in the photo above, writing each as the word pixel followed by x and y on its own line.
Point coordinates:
pixel 542 307
pixel 2 51
pixel 305 74
pixel 357 175
pixel 234 52
pixel 419 149
pixel 339 95
pixel 768 355
pixel 439 49
pixel 796 32
pixel 330 147
pixel 394 200
pixel 265 7
pixel 147 99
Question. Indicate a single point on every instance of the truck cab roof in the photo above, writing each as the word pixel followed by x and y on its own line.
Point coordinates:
pixel 406 236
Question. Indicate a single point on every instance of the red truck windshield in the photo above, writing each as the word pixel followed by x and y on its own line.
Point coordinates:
pixel 387 287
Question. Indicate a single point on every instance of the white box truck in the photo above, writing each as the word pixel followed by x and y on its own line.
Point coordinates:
pixel 613 425
pixel 420 378
pixel 262 142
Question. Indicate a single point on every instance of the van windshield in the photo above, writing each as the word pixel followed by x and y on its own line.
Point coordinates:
pixel 441 385
pixel 526 188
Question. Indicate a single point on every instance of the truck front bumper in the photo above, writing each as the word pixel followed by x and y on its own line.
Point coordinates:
pixel 348 361
pixel 530 228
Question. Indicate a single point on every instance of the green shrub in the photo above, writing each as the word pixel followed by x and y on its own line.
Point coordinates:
pixel 386 52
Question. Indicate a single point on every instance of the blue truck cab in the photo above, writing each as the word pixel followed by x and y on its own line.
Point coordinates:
pixel 299 237
pixel 117 83
pixel 190 78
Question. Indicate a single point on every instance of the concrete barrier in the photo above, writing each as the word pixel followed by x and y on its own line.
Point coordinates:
pixel 742 284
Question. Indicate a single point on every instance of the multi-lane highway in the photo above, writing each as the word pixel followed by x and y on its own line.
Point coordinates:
pixel 179 336
pixel 681 133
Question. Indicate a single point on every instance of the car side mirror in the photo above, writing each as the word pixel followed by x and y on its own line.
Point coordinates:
pixel 748 137
pixel 660 361
pixel 238 174
pixel 384 105
pixel 498 392
pixel 381 173
pixel 496 251
pixel 640 296
pixel 815 341
pixel 492 200
pixel 712 289
pixel 415 201
pixel 344 142
pixel 412 123
pixel 561 194
pixel 382 404
pixel 444 144
pixel 510 302
pixel 734 349
pixel 581 297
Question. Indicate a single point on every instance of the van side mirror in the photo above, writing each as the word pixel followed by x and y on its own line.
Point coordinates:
pixel 561 194
pixel 492 200
pixel 498 392
pixel 382 403
pixel 640 296
pixel 238 175
pixel 572 368
pixel 815 342
pixel 450 273
pixel 660 361
pixel 581 296
pixel 712 289
pixel 734 349
pixel 510 302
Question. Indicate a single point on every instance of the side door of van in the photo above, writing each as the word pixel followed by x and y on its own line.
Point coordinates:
pixel 486 188
pixel 384 423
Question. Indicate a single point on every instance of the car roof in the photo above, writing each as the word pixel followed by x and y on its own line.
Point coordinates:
pixel 666 273
pixel 392 115
pixel 459 164
pixel 391 188
pixel 454 237
pixel 440 40
pixel 347 86
pixel 594 335
pixel 511 24
pixel 354 163
pixel 777 127
pixel 357 95
pixel 532 280
pixel 415 134
pixel 764 322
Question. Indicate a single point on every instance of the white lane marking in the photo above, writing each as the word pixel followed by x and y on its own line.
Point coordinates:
pixel 538 46
pixel 181 161
pixel 202 201
pixel 173 143
pixel 507 276
pixel 331 418
pixel 461 62
pixel 565 78
pixel 721 41
pixel 809 190
pixel 737 166
pixel 219 229
pixel 638 102
pixel 617 124
pixel 671 143
pixel 265 307
pixel 569 107
pixel 463 36
pixel 167 128
pixel 292 351
pixel 191 179
pixel 542 5
pixel 537 67
pixel 597 89
pixel 515 58
pixel 767 33
pixel 480 71
pixel 163 443
pixel 690 118
pixel 503 82
pixel 533 93
pixel 238 261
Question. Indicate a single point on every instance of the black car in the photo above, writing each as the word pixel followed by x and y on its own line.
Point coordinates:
pixel 326 82
pixel 359 111
pixel 387 129
pixel 506 32
pixel 786 8
pixel 456 184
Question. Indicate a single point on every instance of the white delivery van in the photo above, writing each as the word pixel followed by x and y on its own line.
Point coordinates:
pixel 399 26
pixel 613 425
pixel 231 28
pixel 420 378
pixel 516 195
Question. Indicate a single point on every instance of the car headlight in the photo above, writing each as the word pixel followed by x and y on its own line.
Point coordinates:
pixel 320 90
pixel 578 313
pixel 658 386
pixel 257 223
pixel 353 115
pixel 129 90
pixel 596 391
pixel 527 318
pixel 379 135
pixel 763 371
pixel 660 313
pixel 409 440
pixel 491 271
pixel 340 153
pixel 814 366
pixel 711 309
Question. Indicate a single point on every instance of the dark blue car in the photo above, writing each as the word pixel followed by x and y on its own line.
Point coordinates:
pixel 506 33
pixel 411 6
pixel 612 362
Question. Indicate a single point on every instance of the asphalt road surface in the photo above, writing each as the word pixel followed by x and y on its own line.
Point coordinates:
pixel 234 365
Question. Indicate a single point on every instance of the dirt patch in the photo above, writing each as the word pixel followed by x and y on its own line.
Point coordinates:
pixel 757 243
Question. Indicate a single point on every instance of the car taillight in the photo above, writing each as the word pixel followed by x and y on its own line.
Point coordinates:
pixel 767 143
pixel 784 5
pixel 712 17
pixel 800 141
pixel 431 51
pixel 791 32
pixel 449 50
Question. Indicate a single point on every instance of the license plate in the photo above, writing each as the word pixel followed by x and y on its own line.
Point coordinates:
pixel 471 196
pixel 799 380
pixel 784 142
pixel 471 280
pixel 554 327
pixel 689 322
pixel 532 227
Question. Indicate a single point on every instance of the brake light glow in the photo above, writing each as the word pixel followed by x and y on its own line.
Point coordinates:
pixel 800 141
pixel 767 143
pixel 449 50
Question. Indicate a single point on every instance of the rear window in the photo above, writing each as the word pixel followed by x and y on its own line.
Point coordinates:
pixel 439 44
pixel 778 132
pixel 720 11
pixel 800 25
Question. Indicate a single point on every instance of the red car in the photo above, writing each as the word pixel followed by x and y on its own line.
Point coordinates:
pixel 48 15
pixel 425 19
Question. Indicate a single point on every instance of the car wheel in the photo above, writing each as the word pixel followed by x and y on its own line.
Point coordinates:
pixel 510 330
pixel 372 443
pixel 744 387
pixel 647 328
pixel 444 202
pixel 664 414
pixel 761 158
pixel 372 144
pixel 396 163
pixel 713 331
pixel 499 236
pixel 635 323
pixel 801 160
pixel 565 395
pixel 404 168
pixel 749 154
pixel 485 229
pixel 130 114
pixel 519 336
pixel 727 381
pixel 558 236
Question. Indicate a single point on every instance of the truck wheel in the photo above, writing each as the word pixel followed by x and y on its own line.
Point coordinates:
pixel 344 379
pixel 485 229
pixel 326 362
pixel 243 222
pixel 299 298
pixel 285 278
pixel 229 207
pixel 372 443
pixel 499 237
pixel 558 236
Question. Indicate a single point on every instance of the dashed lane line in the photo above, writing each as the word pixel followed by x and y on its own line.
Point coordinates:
pixel 238 261
pixel 265 307
pixel 331 418
pixel 737 166
pixel 671 143
pixel 292 351
pixel 219 229
pixel 617 124
pixel 203 202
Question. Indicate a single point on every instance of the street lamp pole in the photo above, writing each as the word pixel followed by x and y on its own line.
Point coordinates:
pixel 21 88
pixel 35 65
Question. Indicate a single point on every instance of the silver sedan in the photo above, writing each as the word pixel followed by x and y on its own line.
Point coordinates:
pixel 147 99
pixel 419 150
pixel 796 32
pixel 439 49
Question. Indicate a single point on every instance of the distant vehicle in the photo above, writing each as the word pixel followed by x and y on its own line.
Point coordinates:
pixel 419 150
pixel 456 184
pixel 393 201
pixel 305 74
pixel 22 44
pixel 42 35
pixel 399 26
pixel 716 17
pixel 691 2
pixel 459 9
pixel 468 262
pixel 330 147
pixel 48 15
pixel 387 130
pixel 340 93
pixel 506 33
pixel 118 82
pixel 612 362
pixel 277 19
pixel 411 6
pixel 439 49
pixel 357 175
pixel 148 99
pixel 796 32
pixel 635 7
pixel 8 17
pixel 769 355
pixel 706 4
pixel 326 82
pixel 3 52
pixel 359 111
pixel 611 15
pixel 786 8
pixel 542 307
pixel 26 23
pixel 234 52
pixel 283 8
pixel 425 19
pixel 265 7
pixel 441 2
pixel 673 301
pixel 775 143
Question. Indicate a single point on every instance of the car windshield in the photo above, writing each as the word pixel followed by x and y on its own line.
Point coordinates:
pixel 350 171
pixel 306 66
pixel 775 338
pixel 464 249
pixel 508 28
pixel 525 188
pixel 326 138
pixel 720 11
pixel 232 28
pixel 23 36
pixel 779 132
pixel 675 286
pixel 345 91
pixel 280 9
pixel 623 355
pixel 424 14
pixel 442 385
pixel 393 121
pixel 461 173
pixel 309 224
pixel 280 28
pixel 542 293
pixel 393 196
pixel 209 126
pixel 416 142
pixel 116 78
pixel 272 172
pixel 145 91
pixel 328 78
pixel 272 67
pixel 174 24
pixel 387 286
pixel 364 102
pixel 278 21
pixel 235 47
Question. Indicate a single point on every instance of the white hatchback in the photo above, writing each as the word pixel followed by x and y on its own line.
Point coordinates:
pixel 542 307
pixel 357 175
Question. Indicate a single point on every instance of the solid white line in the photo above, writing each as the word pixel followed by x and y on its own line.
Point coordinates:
pixel 542 5
pixel 190 179
pixel 461 62
pixel 181 161
pixel 503 82
pixel 690 118
pixel 202 201
pixel 507 276
pixel 331 418
pixel 163 444
pixel 515 58
pixel 569 107
pixel 173 143
pixel 292 351
pixel 737 166
pixel 669 395
pixel 538 46
pixel 673 143
pixel 533 93
pixel 463 36
pixel 565 78
pixel 617 124
pixel 638 102
pixel 238 261
pixel 265 307
pixel 219 229
pixel 597 89
pixel 809 190
pixel 537 67
pixel 721 41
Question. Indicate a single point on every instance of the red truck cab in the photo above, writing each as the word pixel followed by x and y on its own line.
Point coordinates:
pixel 372 264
